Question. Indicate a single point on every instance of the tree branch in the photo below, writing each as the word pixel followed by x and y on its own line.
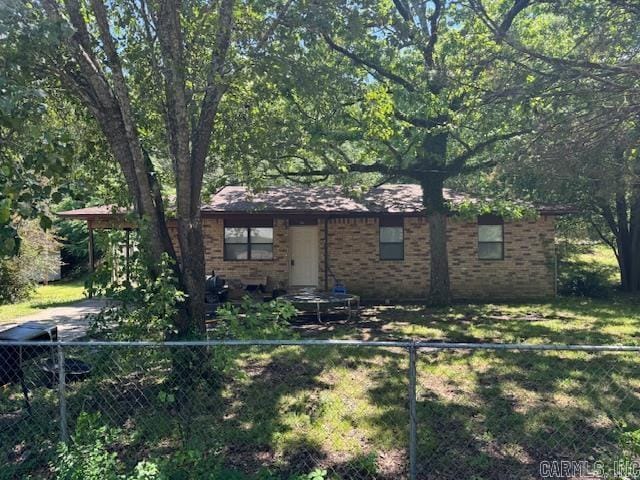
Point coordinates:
pixel 120 89
pixel 604 238
pixel 277 20
pixel 468 169
pixel 216 86
pixel 403 10
pixel 500 32
pixel 607 214
pixel 420 121
pixel 510 16
pixel 353 167
pixel 177 118
pixel 89 82
pixel 370 64
pixel 434 19
pixel 458 163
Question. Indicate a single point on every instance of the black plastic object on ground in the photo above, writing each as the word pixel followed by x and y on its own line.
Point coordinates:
pixel 12 357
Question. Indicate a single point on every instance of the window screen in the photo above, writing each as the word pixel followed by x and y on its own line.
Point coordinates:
pixel 248 243
pixel 391 243
pixel 490 242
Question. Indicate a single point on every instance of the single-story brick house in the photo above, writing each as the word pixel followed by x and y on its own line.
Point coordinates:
pixel 378 246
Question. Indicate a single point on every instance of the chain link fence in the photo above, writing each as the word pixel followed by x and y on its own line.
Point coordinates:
pixel 333 409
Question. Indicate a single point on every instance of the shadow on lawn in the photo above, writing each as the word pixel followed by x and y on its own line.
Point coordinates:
pixel 285 410
pixel 563 321
pixel 342 409
pixel 482 415
pixel 505 412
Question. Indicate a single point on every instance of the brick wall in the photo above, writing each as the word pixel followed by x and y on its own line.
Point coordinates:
pixel 526 271
pixel 354 259
pixel 277 269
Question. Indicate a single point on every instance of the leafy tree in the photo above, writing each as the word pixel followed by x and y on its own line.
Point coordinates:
pixel 37 258
pixel 586 151
pixel 153 75
pixel 50 149
pixel 35 151
pixel 406 90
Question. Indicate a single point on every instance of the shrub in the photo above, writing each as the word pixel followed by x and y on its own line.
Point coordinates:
pixel 144 308
pixel 585 269
pixel 251 319
pixel 615 461
pixel 88 457
pixel 584 280
pixel 317 474
pixel 14 284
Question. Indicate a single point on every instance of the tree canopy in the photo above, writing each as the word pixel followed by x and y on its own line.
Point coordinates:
pixel 132 100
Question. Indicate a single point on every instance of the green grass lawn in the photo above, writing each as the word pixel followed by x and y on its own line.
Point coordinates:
pixel 481 414
pixel 45 296
pixel 561 320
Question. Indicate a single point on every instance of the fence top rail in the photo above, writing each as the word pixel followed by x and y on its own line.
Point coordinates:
pixel 356 343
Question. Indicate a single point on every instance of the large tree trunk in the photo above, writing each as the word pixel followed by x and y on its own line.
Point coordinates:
pixel 434 161
pixel 624 224
pixel 634 227
pixel 98 78
pixel 193 274
pixel 189 143
pixel 623 241
pixel 147 204
pixel 433 200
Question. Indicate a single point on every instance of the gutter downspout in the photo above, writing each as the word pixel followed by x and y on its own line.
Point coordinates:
pixel 555 268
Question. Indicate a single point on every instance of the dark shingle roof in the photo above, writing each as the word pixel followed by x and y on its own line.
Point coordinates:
pixel 400 198
pixel 405 198
pixel 389 198
pixel 97 211
pixel 283 199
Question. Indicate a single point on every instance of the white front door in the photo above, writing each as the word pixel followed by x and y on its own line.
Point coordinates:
pixel 303 256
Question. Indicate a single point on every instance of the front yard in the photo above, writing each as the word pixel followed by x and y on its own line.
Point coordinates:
pixel 45 296
pixel 285 412
pixel 278 412
pixel 491 414
pixel 563 320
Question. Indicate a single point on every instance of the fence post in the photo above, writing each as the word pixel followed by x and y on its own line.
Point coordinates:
pixel 64 434
pixel 412 412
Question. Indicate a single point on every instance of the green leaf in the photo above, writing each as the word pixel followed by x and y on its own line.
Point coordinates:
pixel 45 222
pixel 8 247
pixel 5 211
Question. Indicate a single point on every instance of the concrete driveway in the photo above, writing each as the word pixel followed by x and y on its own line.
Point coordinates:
pixel 70 319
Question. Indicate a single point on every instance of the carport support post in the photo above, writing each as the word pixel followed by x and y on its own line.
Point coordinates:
pixel 92 263
pixel 127 254
pixel 412 412
pixel 64 433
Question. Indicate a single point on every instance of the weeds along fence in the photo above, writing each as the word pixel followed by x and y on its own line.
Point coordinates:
pixel 276 409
